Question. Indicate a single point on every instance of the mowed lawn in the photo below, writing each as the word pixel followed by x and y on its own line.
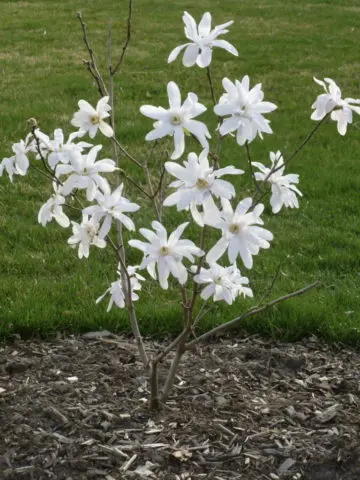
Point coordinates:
pixel 44 288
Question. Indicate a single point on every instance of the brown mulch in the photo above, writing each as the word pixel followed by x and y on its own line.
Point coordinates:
pixel 76 409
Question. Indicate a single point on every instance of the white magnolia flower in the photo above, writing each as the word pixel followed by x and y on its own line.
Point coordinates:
pixel 197 183
pixel 19 163
pixel 8 164
pixel 89 119
pixel 112 205
pixel 177 120
pixel 331 101
pixel 245 108
pixel 59 151
pixel 241 234
pixel 283 190
pixel 202 40
pixel 53 209
pixel 84 170
pixel 223 283
pixel 85 234
pixel 166 253
pixel 116 291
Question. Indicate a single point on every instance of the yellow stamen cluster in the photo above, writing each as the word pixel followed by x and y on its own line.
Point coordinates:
pixel 202 183
pixel 95 119
pixel 234 228
pixel 164 251
pixel 175 119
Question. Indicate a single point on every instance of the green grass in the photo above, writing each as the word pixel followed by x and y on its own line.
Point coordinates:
pixel 44 288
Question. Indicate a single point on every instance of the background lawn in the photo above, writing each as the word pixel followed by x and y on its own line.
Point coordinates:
pixel 44 287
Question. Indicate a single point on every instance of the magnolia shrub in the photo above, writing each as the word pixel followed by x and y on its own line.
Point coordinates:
pixel 78 173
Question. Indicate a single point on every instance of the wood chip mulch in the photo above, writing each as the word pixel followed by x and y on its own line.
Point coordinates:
pixel 76 409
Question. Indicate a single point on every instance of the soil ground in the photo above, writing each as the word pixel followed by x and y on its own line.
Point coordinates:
pixel 247 408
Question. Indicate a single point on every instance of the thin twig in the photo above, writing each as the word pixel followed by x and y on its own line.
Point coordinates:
pixel 248 153
pixel 91 65
pixel 200 314
pixel 271 286
pixel 251 312
pixel 72 208
pixel 158 188
pixel 299 148
pixel 127 40
pixel 42 173
pixel 126 153
pixel 212 90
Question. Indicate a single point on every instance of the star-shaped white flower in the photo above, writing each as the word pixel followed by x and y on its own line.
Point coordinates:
pixel 283 190
pixel 84 173
pixel 331 101
pixel 223 283
pixel 166 253
pixel 19 163
pixel 116 291
pixel 243 108
pixel 241 234
pixel 57 150
pixel 177 120
pixel 197 182
pixel 88 119
pixel 202 40
pixel 84 235
pixel 112 205
pixel 53 209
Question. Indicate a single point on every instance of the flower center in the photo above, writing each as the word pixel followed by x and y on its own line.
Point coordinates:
pixel 175 119
pixel 234 228
pixel 201 183
pixel 91 231
pixel 164 251
pixel 95 119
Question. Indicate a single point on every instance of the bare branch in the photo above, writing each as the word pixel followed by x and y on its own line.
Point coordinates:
pixel 130 305
pixel 248 153
pixel 271 286
pixel 212 90
pixel 91 65
pixel 126 43
pixel 126 153
pixel 251 312
pixel 299 148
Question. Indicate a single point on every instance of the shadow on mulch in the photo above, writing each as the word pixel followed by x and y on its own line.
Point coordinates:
pixel 76 409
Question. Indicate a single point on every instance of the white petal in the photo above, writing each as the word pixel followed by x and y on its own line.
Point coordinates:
pixel 173 55
pixel 174 95
pixel 179 143
pixel 190 55
pixel 205 24
pixel 217 250
pixel 204 59
pixel 163 272
pixel 226 46
pixel 156 113
pixel 159 132
pixel 105 129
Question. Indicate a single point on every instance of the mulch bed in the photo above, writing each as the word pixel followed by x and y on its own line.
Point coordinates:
pixel 76 409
